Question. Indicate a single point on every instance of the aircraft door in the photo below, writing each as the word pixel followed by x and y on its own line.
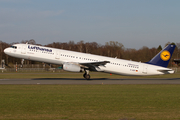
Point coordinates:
pixel 23 49
pixel 145 69
pixel 57 54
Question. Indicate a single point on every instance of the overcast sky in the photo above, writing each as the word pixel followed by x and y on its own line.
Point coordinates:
pixel 134 23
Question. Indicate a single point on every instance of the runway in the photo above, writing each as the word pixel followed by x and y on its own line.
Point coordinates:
pixel 70 81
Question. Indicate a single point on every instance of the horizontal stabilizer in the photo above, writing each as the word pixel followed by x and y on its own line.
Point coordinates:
pixel 167 71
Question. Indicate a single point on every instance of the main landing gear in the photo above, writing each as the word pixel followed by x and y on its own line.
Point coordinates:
pixel 86 75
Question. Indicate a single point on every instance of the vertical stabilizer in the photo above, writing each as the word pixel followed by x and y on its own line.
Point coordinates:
pixel 163 57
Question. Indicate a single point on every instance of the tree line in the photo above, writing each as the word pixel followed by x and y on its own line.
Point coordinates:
pixel 111 49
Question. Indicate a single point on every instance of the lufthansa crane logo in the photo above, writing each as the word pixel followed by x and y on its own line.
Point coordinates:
pixel 165 55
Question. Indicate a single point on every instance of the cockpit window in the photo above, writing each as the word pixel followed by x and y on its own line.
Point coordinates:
pixel 14 47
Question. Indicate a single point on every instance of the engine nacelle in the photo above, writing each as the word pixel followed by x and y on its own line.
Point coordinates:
pixel 71 67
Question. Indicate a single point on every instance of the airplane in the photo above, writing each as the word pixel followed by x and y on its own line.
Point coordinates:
pixel 84 62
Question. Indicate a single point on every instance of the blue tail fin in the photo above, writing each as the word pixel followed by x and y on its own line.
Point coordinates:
pixel 163 57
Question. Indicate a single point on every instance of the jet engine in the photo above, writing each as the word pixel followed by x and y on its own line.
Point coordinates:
pixel 71 67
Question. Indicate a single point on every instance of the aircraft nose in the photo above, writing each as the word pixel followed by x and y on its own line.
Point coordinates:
pixel 6 50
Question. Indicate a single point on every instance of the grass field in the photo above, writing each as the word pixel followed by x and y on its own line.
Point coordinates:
pixel 78 102
pixel 88 102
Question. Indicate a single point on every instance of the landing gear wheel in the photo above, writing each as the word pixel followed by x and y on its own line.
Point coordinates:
pixel 86 76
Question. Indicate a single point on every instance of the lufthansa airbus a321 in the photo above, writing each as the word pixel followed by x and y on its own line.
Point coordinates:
pixel 83 62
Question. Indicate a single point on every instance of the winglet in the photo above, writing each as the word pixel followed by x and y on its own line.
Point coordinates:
pixel 163 57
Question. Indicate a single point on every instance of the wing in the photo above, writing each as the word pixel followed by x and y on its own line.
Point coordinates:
pixel 93 66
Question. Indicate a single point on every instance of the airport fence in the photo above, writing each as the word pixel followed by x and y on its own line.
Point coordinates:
pixel 45 68
pixel 177 70
pixel 31 70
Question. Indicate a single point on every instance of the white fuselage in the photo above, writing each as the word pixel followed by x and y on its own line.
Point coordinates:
pixel 59 56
